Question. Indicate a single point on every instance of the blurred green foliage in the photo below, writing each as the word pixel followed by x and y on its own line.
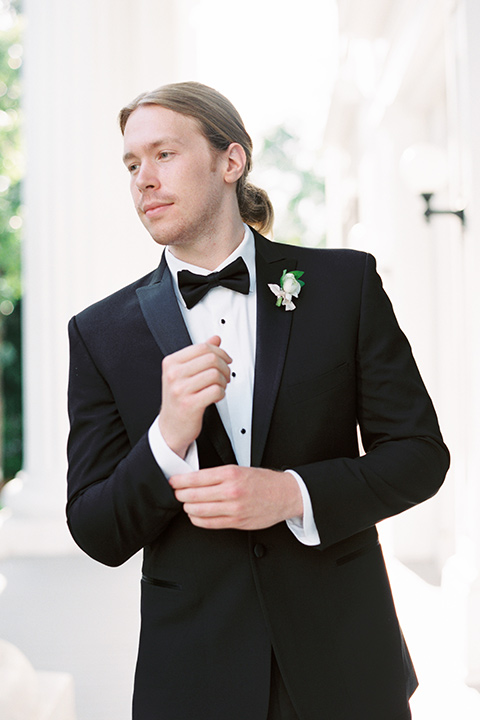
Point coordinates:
pixel 288 170
pixel 11 172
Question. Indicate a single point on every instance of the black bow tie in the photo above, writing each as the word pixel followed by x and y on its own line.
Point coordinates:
pixel 194 287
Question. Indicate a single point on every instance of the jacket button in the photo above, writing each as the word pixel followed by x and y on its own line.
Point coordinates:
pixel 259 550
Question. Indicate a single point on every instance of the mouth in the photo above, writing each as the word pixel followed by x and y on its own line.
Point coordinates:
pixel 155 209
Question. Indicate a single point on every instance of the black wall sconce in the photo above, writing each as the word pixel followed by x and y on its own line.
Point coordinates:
pixel 431 211
pixel 424 168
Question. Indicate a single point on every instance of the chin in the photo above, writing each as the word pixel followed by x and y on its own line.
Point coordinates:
pixel 166 237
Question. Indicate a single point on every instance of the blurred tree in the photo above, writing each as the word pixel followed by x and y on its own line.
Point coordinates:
pixel 11 170
pixel 288 172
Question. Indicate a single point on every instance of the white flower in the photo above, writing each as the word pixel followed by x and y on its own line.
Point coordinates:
pixel 290 287
pixel 283 298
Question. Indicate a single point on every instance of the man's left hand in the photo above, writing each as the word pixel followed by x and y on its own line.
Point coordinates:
pixel 238 497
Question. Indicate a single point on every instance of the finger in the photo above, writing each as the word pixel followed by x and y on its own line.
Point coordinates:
pixel 191 480
pixel 199 365
pixel 175 373
pixel 183 401
pixel 201 495
pixel 206 510
pixel 192 351
pixel 213 523
pixel 207 348
pixel 195 374
pixel 201 478
pixel 207 378
pixel 214 340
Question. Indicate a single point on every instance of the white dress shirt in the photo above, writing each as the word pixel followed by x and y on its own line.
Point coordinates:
pixel 232 316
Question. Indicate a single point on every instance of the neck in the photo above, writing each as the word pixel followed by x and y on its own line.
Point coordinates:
pixel 211 251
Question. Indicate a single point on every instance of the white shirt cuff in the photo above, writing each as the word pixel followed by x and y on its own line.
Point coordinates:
pixel 167 460
pixel 304 528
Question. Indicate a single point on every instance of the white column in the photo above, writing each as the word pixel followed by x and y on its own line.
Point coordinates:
pixel 402 107
pixel 433 278
pixel 462 573
pixel 83 61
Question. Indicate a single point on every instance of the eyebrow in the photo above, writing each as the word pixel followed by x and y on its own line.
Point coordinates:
pixel 153 146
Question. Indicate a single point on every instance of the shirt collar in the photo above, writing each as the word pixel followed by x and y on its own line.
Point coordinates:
pixel 246 250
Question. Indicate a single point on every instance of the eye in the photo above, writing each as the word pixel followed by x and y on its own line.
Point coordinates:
pixel 164 155
pixel 133 167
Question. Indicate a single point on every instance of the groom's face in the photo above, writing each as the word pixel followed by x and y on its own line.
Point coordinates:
pixel 176 178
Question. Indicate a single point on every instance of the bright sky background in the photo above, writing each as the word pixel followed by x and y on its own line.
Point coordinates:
pixel 274 59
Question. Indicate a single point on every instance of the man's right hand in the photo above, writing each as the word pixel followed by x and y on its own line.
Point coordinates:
pixel 192 379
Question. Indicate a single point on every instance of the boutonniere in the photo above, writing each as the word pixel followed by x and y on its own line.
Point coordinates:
pixel 290 286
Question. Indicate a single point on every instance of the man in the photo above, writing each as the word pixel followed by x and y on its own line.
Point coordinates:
pixel 216 428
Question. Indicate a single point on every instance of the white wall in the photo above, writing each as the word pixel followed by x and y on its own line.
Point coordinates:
pixel 424 65
pixel 82 62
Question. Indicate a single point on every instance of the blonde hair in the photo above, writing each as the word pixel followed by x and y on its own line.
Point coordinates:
pixel 221 125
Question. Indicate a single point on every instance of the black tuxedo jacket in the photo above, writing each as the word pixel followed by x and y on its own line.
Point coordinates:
pixel 214 603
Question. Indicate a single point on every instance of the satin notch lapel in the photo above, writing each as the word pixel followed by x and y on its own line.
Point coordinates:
pixel 161 312
pixel 273 332
pixel 165 321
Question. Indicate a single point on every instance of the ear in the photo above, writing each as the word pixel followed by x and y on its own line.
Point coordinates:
pixel 236 161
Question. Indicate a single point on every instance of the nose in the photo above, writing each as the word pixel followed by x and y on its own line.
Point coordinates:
pixel 147 178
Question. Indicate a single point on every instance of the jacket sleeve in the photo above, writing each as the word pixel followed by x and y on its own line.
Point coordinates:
pixel 118 498
pixel 405 459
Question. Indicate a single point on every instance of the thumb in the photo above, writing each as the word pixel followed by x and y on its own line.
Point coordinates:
pixel 214 340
